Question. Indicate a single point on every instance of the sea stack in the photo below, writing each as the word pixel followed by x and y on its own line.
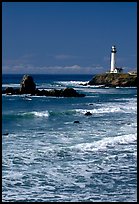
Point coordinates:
pixel 27 85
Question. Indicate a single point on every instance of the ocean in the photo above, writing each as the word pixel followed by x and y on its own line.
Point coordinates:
pixel 46 157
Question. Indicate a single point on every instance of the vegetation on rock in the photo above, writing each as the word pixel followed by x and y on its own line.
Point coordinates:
pixel 114 79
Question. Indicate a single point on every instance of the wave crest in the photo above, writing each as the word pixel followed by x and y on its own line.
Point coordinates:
pixel 35 113
pixel 104 143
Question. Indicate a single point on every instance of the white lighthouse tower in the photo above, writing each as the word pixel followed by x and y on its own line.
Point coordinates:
pixel 113 58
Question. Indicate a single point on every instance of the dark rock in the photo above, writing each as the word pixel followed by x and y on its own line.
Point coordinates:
pixel 9 90
pixel 17 91
pixel 3 91
pixel 76 121
pixel 6 133
pixel 70 92
pixel 27 85
pixel 116 158
pixel 88 113
pixel 40 92
pixel 81 95
pixel 56 93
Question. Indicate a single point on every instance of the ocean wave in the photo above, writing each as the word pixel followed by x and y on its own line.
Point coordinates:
pixel 119 105
pixel 72 83
pixel 105 143
pixel 10 85
pixel 126 87
pixel 126 99
pixel 83 84
pixel 36 113
pixel 26 114
pixel 65 112
pixel 24 96
pixel 39 114
pixel 106 109
pixel 96 86
pixel 97 110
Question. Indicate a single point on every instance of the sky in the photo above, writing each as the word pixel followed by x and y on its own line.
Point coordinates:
pixel 68 37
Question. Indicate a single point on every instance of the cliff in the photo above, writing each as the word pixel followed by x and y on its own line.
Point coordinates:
pixel 114 79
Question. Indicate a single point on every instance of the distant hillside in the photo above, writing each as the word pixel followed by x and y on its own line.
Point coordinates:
pixel 114 79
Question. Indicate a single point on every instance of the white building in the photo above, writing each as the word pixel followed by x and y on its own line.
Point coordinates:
pixel 114 69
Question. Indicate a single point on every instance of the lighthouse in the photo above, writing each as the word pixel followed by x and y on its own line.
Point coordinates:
pixel 114 69
pixel 113 58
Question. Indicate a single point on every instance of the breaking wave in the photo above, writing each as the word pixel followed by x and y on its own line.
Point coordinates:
pixel 98 109
pixel 26 115
pixel 122 107
pixel 10 85
pixel 104 110
pixel 38 114
pixel 105 143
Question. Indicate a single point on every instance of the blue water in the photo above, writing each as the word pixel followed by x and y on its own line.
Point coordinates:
pixel 48 157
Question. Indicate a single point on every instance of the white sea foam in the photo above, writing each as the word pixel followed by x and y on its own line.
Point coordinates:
pixel 132 87
pixel 99 110
pixel 37 113
pixel 41 114
pixel 38 96
pixel 11 85
pixel 28 99
pixel 79 84
pixel 126 99
pixel 104 110
pixel 123 107
pixel 72 83
pixel 104 143
pixel 96 86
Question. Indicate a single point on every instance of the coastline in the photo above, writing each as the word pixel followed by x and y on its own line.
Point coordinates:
pixel 114 80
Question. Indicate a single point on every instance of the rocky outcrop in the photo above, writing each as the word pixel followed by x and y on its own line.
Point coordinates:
pixel 6 133
pixel 9 90
pixel 88 113
pixel 68 92
pixel 114 79
pixel 76 121
pixel 27 86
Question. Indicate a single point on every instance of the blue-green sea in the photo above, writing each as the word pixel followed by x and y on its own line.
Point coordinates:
pixel 46 157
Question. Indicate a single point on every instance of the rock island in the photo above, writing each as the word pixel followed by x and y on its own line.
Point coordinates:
pixel 114 79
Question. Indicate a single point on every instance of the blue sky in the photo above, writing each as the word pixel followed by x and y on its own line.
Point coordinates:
pixel 68 37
